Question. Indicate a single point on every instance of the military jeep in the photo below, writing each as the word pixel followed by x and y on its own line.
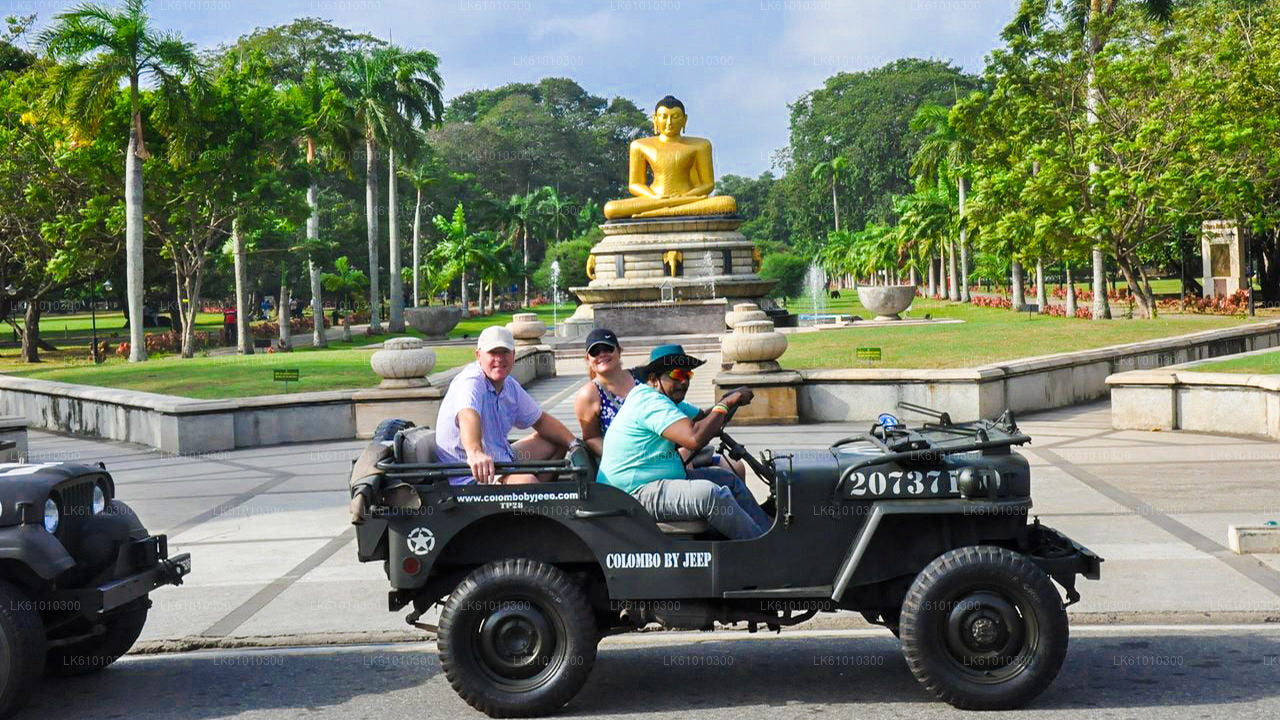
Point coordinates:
pixel 76 568
pixel 922 530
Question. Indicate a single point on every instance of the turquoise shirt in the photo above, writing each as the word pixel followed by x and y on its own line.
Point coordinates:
pixel 635 452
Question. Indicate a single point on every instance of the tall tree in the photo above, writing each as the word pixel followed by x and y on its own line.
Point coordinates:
pixel 99 47
pixel 940 160
pixel 832 170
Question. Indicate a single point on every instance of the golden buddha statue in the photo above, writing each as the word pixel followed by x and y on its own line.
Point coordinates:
pixel 682 173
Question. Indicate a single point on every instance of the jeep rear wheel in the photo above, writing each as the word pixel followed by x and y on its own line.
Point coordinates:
pixel 983 628
pixel 94 654
pixel 21 648
pixel 517 639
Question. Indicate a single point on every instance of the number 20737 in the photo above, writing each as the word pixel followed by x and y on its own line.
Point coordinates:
pixel 909 483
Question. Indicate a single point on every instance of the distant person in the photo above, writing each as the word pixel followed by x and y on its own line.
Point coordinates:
pixel 481 407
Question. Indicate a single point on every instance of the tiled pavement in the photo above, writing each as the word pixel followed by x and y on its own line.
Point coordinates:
pixel 274 555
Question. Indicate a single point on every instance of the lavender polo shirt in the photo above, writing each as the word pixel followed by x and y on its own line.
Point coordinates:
pixel 499 412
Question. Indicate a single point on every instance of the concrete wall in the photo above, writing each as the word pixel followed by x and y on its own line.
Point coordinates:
pixel 1183 398
pixel 185 426
pixel 1041 383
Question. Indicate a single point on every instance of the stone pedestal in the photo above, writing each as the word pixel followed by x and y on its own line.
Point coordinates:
pixel 527 329
pixel 775 401
pixel 434 322
pixel 639 319
pixel 656 266
pixel 403 362
pixel 1222 250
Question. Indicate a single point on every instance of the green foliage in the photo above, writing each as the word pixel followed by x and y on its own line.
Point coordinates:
pixel 788 270
pixel 346 282
pixel 572 256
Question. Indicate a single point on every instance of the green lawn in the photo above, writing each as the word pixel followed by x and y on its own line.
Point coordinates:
pixel 54 326
pixel 227 376
pixel 471 327
pixel 987 335
pixel 1267 363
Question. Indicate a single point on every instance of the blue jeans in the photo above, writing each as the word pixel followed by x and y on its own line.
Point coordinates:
pixel 695 499
pixel 736 487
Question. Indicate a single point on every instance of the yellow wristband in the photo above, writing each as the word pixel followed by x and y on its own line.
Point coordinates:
pixel 720 408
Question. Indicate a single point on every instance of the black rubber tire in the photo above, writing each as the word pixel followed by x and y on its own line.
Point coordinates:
pixel 95 654
pixel 974 585
pixel 21 648
pixel 514 598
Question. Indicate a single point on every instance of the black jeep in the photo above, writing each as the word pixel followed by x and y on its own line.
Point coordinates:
pixel 76 566
pixel 924 531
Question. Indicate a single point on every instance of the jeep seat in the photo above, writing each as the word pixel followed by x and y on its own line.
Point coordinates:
pixel 416 445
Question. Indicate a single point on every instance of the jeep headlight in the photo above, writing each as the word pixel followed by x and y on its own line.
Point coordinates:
pixel 99 499
pixel 52 516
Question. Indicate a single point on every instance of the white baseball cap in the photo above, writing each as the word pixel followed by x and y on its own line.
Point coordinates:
pixel 495 336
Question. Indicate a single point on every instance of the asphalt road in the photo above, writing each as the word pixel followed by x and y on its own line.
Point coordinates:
pixel 1111 672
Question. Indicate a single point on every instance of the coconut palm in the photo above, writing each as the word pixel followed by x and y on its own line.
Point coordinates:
pixel 942 157
pixel 460 250
pixel 387 90
pixel 326 124
pixel 526 213
pixel 416 86
pixel 1089 15
pixel 833 168
pixel 556 210
pixel 98 48
pixel 421 174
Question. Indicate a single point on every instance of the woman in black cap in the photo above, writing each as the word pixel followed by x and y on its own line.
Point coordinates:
pixel 600 399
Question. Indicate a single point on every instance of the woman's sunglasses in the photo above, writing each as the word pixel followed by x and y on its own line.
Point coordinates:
pixel 683 375
pixel 600 348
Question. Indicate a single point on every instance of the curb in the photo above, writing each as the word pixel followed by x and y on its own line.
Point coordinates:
pixel 849 621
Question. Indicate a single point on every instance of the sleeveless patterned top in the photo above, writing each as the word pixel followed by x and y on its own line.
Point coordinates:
pixel 610 404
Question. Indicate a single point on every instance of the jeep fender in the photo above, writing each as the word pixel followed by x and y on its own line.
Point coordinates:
pixel 34 548
pixel 948 506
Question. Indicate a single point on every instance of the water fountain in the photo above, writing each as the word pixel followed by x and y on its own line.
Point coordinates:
pixel 815 282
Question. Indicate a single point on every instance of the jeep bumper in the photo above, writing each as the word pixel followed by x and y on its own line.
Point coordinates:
pixel 1063 558
pixel 157 569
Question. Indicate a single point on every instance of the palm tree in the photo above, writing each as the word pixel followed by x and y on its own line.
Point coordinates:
pixel 459 250
pixel 387 90
pixel 1088 15
pixel 326 124
pixel 526 212
pixel 556 210
pixel 416 86
pixel 98 47
pixel 835 167
pixel 943 154
pixel 421 175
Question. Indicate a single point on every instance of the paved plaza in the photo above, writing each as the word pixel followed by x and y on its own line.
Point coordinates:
pixel 275 561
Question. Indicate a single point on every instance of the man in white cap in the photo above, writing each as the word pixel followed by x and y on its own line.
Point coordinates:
pixel 482 405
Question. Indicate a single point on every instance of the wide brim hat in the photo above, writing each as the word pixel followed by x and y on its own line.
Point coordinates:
pixel 664 358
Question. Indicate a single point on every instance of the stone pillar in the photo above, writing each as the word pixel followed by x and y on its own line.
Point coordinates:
pixel 403 362
pixel 754 347
pixel 1223 253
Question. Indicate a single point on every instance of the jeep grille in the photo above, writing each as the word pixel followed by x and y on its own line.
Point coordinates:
pixel 77 499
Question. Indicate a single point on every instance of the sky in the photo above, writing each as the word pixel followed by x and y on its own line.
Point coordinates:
pixel 736 65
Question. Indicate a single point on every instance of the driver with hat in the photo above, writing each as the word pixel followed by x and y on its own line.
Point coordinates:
pixel 640 451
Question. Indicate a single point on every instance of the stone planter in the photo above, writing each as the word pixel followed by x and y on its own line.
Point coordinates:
pixel 403 363
pixel 753 346
pixel 742 312
pixel 527 329
pixel 434 322
pixel 886 301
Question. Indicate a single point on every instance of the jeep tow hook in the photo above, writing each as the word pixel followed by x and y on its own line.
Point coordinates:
pixel 412 619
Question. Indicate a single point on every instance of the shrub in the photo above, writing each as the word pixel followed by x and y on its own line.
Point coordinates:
pixel 789 270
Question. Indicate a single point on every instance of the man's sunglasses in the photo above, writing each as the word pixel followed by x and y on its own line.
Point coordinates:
pixel 600 348
pixel 683 375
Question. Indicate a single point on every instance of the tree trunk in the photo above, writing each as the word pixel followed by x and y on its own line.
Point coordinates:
pixel 1071 293
pixel 1042 299
pixel 396 285
pixel 371 224
pixel 1019 293
pixel 964 250
pixel 933 275
pixel 244 339
pixel 466 307
pixel 1101 309
pixel 133 245
pixel 178 317
pixel 283 316
pixel 31 332
pixel 417 244
pixel 835 206
pixel 192 286
pixel 526 267
pixel 954 293
pixel 318 337
pixel 1127 269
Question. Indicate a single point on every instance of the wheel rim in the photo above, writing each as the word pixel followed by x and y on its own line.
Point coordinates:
pixel 518 643
pixel 989 634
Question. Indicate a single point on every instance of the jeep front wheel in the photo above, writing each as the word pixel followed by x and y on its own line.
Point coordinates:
pixel 21 648
pixel 517 638
pixel 983 628
pixel 93 654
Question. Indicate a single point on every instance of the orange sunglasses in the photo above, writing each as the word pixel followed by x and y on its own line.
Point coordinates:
pixel 683 375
